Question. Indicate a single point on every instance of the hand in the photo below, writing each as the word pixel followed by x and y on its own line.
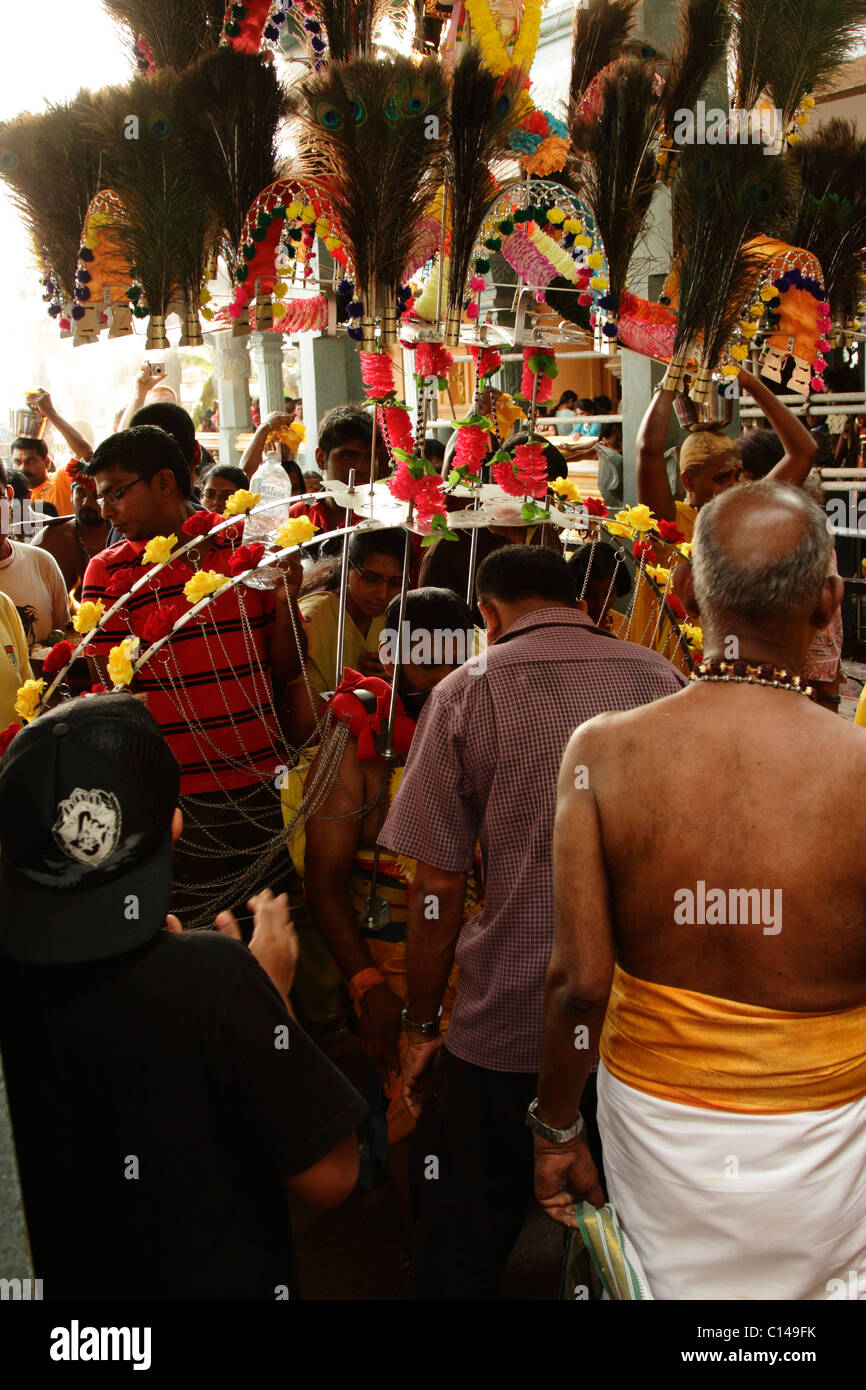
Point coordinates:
pixel 418 1060
pixel 41 405
pixel 371 665
pixel 381 1011
pixel 565 1174
pixel 145 378
pixel 293 577
pixel 277 419
pixel 274 942
pixel 172 925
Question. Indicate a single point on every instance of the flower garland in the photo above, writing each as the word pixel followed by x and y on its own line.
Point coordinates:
pixel 398 427
pixel 763 318
pixel 523 473
pixel 494 49
pixel 540 363
pixel 433 361
pixel 377 373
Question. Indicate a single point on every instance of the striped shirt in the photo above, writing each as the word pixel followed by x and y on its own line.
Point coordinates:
pixel 483 766
pixel 209 688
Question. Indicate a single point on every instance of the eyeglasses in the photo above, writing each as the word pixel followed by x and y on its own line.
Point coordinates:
pixel 375 580
pixel 116 493
pixel 213 495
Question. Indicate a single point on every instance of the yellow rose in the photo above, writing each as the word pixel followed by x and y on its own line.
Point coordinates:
pixel 157 550
pixel 295 532
pixel 616 529
pixel 88 615
pixel 693 635
pixel 659 574
pixel 241 501
pixel 685 549
pixel 202 583
pixel 566 487
pixel 639 518
pixel 120 661
pixel 28 699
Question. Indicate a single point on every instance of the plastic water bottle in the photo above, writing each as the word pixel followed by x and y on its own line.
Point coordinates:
pixel 272 481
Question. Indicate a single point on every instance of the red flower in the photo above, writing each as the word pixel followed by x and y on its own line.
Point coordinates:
pixel 7 736
pixel 426 492
pixel 676 607
pixel 548 371
pixel 595 507
pixel 377 372
pixel 669 531
pixel 505 477
pixel 57 658
pixel 488 361
pixel 98 689
pixel 472 445
pixel 531 468
pixel 432 359
pixel 246 557
pixel 642 550
pixel 160 621
pixel 536 123
pixel 200 523
pixel 398 424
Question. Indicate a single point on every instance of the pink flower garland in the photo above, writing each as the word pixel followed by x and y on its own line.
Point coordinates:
pixel 487 361
pixel 472 445
pixel 545 384
pixel 525 474
pixel 426 492
pixel 377 372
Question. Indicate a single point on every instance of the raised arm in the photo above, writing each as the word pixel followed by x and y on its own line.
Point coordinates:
pixel 252 454
pixel 145 379
pixel 43 405
pixel 800 448
pixel 653 488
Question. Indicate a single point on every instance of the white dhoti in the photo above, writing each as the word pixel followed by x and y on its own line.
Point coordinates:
pixel 737 1206
pixel 734 1144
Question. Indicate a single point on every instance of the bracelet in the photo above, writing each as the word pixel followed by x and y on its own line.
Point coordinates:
pixel 362 982
pixel 554 1136
pixel 424 1030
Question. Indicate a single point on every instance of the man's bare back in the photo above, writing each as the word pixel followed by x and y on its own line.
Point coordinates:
pixel 734 787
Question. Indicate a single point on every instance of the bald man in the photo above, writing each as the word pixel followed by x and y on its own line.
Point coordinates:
pixel 732 1085
pixel 709 461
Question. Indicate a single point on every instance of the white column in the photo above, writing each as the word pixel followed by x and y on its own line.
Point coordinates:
pixel 330 375
pixel 266 351
pixel 231 370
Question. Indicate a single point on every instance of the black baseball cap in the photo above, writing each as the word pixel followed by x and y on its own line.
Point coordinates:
pixel 87 794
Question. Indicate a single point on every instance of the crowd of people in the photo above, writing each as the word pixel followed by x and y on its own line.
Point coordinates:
pixel 408 866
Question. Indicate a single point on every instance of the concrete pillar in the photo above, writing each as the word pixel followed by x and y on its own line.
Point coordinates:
pixel 266 351
pixel 330 375
pixel 231 371
pixel 15 1258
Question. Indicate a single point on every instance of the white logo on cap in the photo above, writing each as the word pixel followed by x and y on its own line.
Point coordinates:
pixel 88 825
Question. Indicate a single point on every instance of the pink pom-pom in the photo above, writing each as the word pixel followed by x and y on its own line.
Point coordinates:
pixel 592 320
pixel 235 310
pixel 478 283
pixel 825 324
pixel 824 307
pixel 823 345
pixel 817 383
pixel 584 299
pixel 472 310
pixel 819 363
pixel 64 324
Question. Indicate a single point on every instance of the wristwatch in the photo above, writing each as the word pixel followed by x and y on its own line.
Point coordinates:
pixel 555 1136
pixel 424 1030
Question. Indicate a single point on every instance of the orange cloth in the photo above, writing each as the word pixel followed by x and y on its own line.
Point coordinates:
pixel 718 1054
pixel 57 489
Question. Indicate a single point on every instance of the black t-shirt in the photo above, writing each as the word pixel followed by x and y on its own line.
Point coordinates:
pixel 155 1115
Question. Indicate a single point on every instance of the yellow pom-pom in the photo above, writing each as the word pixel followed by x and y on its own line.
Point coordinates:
pixel 599 282
pixel 739 352
pixel 572 226
pixel 280 289
pixel 747 329
pixel 583 240
pixel 308 213
pixel 204 295
pixel 769 292
pixel 729 370
pixel 793 138
pixel 293 209
pixel 803 118
pixel 323 227
pixel 756 310
pixel 333 243
pixel 595 260
pixel 207 314
pixel 808 102
pixel 555 215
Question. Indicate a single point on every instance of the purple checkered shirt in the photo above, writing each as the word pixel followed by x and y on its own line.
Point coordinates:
pixel 483 766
